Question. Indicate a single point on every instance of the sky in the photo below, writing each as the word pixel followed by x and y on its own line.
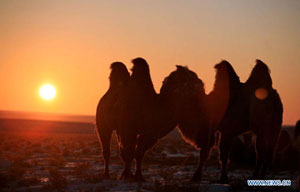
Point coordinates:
pixel 71 44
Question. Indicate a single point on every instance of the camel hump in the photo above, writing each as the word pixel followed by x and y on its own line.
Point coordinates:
pixel 141 76
pixel 226 77
pixel 119 74
pixel 108 105
pixel 260 76
pixel 225 88
pixel 183 78
pixel 140 67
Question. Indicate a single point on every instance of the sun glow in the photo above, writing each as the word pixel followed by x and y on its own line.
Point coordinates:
pixel 261 93
pixel 47 92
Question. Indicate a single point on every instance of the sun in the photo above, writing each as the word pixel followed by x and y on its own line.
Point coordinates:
pixel 47 92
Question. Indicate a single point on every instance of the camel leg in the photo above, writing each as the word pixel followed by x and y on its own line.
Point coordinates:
pixel 266 164
pixel 126 174
pixel 259 162
pixel 225 145
pixel 266 154
pixel 128 143
pixel 143 145
pixel 105 138
pixel 204 154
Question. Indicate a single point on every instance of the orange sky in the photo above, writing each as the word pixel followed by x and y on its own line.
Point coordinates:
pixel 71 44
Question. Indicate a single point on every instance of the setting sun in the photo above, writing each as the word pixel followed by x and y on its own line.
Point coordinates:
pixel 47 92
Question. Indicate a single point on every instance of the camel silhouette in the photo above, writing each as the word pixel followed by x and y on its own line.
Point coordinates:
pixel 108 109
pixel 141 116
pixel 253 106
pixel 137 110
pixel 181 102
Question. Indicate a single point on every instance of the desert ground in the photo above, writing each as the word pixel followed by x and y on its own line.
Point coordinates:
pixel 67 157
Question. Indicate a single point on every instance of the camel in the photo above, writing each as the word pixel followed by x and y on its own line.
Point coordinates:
pixel 181 102
pixel 142 117
pixel 137 110
pixel 253 106
pixel 108 111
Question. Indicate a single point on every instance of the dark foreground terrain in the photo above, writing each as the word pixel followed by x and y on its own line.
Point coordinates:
pixel 49 156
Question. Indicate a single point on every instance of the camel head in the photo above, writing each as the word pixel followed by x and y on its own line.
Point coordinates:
pixel 119 74
pixel 182 88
